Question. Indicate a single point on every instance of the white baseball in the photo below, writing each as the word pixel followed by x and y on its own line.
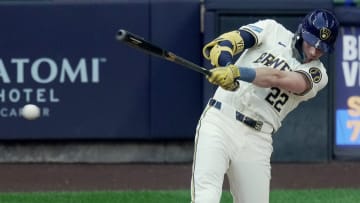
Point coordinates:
pixel 31 111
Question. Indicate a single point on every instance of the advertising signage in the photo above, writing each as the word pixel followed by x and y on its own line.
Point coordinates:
pixel 65 59
pixel 347 91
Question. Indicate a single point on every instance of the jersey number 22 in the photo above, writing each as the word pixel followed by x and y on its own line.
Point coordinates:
pixel 276 98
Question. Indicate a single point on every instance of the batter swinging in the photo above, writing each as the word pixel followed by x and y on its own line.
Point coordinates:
pixel 277 70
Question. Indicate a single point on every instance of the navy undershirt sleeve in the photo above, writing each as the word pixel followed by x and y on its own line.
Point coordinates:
pixel 225 57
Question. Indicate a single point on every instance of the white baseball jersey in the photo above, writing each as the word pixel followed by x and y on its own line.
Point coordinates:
pixel 224 144
pixel 272 49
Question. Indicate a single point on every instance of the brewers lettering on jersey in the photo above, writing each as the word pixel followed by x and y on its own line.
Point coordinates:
pixel 277 70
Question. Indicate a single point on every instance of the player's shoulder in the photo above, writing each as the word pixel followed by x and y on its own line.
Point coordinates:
pixel 315 63
pixel 279 26
pixel 269 21
pixel 270 24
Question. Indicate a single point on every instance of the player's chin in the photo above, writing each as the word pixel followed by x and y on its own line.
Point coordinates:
pixel 307 60
pixel 310 58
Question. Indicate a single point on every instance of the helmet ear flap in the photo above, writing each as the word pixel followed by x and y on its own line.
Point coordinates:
pixel 296 44
pixel 298 31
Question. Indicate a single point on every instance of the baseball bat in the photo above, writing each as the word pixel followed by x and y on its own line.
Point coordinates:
pixel 140 43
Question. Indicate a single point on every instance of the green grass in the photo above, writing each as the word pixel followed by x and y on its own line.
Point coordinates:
pixel 179 196
pixel 316 196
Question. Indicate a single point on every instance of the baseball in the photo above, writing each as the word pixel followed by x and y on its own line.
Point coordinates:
pixel 30 112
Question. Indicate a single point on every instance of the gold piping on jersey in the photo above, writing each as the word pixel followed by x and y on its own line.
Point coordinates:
pixel 194 156
pixel 309 79
pixel 253 34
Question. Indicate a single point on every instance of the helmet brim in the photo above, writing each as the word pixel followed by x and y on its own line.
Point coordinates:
pixel 316 42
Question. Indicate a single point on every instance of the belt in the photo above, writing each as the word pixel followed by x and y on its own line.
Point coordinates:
pixel 252 123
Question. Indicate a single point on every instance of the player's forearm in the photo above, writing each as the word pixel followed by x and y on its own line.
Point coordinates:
pixel 263 77
pixel 267 77
pixel 291 81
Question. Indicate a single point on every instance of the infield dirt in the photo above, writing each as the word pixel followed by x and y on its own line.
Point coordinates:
pixel 23 177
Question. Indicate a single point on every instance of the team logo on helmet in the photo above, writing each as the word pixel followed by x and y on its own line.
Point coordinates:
pixel 315 74
pixel 324 33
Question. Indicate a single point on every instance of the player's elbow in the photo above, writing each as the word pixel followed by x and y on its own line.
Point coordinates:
pixel 282 80
pixel 295 85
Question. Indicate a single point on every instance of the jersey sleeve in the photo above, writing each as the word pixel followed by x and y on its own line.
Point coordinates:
pixel 260 30
pixel 317 78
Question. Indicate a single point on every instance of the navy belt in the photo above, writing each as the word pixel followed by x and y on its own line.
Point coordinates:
pixel 257 125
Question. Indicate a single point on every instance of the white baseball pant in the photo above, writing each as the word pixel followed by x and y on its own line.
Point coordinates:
pixel 224 145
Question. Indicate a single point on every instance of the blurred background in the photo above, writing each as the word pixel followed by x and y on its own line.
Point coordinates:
pixel 103 102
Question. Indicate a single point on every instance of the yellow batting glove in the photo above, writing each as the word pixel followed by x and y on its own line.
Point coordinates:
pixel 232 87
pixel 225 77
pixel 212 51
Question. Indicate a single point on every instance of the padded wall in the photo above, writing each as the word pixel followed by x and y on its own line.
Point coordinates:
pixel 176 92
pixel 64 58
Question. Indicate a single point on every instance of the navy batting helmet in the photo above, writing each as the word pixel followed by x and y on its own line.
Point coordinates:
pixel 320 29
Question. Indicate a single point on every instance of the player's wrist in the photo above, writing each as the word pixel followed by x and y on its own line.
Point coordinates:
pixel 247 74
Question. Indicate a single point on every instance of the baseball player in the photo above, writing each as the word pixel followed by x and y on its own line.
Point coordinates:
pixel 276 71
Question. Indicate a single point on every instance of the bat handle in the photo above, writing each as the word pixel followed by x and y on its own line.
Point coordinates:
pixel 207 73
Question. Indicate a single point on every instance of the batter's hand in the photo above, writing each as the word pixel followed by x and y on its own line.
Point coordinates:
pixel 225 77
pixel 232 87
